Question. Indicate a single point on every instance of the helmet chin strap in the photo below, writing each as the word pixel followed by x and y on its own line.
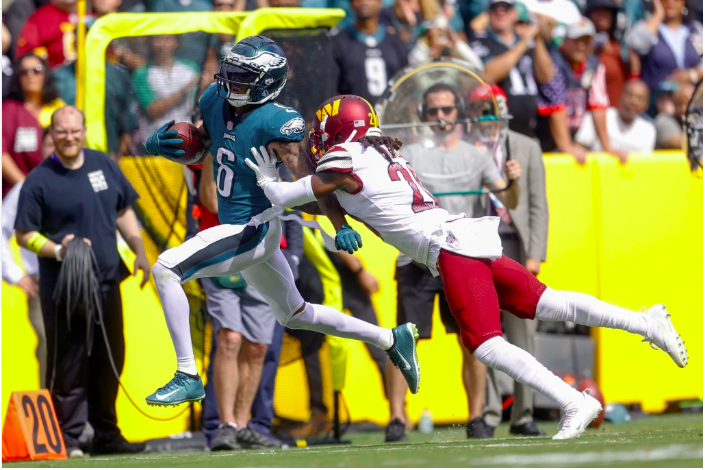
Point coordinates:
pixel 238 101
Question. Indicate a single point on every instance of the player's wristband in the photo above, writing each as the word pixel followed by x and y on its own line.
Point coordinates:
pixel 36 242
pixel 57 252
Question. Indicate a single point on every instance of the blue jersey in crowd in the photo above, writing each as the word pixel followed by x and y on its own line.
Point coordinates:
pixel 232 138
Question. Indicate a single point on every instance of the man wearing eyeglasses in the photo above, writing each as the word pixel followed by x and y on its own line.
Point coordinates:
pixel 79 192
pixel 445 163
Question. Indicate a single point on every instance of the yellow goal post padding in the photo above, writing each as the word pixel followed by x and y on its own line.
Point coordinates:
pixel 121 25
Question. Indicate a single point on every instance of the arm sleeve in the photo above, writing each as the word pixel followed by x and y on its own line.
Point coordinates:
pixel 538 204
pixel 8 130
pixel 640 39
pixel 143 90
pixel 336 159
pixel 11 271
pixel 490 173
pixel 126 193
pixel 551 97
pixel 29 208
pixel 586 135
pixel 288 195
pixel 598 97
pixel 29 37
pixel 285 125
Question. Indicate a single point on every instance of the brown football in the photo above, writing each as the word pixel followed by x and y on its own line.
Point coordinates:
pixel 193 144
pixel 596 393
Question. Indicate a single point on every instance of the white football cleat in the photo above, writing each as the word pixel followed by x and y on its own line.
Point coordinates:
pixel 576 419
pixel 662 334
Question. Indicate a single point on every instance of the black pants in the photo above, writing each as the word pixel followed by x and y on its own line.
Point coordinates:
pixel 84 388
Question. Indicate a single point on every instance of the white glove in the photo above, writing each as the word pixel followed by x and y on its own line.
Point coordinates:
pixel 265 168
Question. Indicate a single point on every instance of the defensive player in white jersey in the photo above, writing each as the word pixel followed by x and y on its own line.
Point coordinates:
pixel 374 184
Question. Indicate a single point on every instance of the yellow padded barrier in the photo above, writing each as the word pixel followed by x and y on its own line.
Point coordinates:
pixel 631 235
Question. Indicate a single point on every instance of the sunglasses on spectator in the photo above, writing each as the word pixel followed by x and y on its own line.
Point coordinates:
pixel 38 69
pixel 445 109
pixel 223 5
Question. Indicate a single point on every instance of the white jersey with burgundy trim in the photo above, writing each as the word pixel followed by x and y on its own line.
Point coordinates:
pixel 394 204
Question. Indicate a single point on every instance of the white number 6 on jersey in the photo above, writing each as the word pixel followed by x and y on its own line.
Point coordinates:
pixel 226 176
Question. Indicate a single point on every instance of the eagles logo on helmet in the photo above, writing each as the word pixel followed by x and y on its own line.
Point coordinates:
pixel 343 118
pixel 257 67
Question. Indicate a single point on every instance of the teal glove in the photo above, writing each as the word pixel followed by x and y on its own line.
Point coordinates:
pixel 162 143
pixel 347 239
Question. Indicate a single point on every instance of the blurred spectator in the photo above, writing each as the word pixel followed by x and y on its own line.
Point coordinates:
pixel 474 14
pixel 6 62
pixel 603 14
pixel 577 87
pixel 627 130
pixel 166 87
pixel 31 101
pixel 669 120
pixel 669 44
pixel 51 33
pixel 193 47
pixel 439 40
pixel 120 100
pixel 358 285
pixel 26 277
pixel 524 234
pixel 81 193
pixel 16 16
pixel 406 17
pixel 515 62
pixel 368 53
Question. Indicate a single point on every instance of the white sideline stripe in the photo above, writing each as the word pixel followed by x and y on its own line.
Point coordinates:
pixel 658 453
pixel 544 443
pixel 522 442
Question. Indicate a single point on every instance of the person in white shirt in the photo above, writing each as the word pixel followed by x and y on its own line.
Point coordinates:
pixel 26 277
pixel 626 129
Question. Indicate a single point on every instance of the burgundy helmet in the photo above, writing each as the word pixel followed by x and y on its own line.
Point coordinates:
pixel 343 118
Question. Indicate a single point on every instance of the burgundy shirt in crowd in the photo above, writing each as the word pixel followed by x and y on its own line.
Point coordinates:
pixel 50 33
pixel 21 138
pixel 616 70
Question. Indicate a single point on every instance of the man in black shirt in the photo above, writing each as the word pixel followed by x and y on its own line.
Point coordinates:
pixel 515 63
pixel 368 53
pixel 81 193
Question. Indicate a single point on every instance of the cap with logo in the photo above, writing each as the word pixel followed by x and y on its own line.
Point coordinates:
pixel 580 29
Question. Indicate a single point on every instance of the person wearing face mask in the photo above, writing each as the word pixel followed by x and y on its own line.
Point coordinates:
pixel 449 163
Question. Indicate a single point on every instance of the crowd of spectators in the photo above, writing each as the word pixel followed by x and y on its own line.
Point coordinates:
pixel 564 66
pixel 594 75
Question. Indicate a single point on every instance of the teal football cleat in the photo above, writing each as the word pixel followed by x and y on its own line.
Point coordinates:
pixel 403 354
pixel 181 389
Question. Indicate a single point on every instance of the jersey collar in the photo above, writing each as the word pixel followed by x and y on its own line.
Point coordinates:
pixel 370 40
pixel 496 38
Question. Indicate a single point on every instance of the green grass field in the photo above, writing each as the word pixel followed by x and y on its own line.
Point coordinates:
pixel 657 441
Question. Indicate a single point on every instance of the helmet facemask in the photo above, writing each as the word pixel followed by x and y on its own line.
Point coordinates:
pixel 235 71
